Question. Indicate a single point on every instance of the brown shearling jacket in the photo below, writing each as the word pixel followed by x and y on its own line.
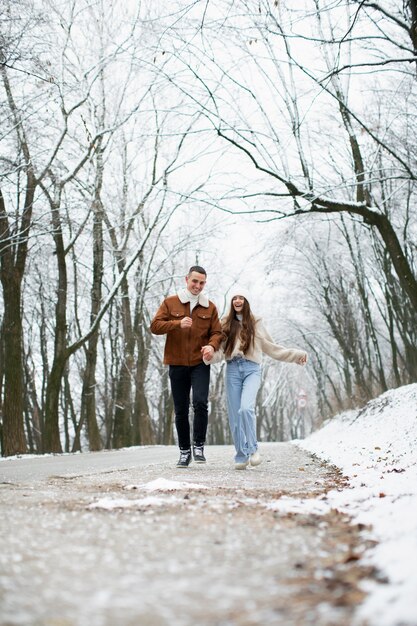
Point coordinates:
pixel 183 345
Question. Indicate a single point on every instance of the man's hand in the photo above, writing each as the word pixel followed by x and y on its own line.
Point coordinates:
pixel 207 352
pixel 186 322
pixel 302 360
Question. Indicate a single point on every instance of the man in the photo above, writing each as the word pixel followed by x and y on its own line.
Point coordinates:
pixel 191 324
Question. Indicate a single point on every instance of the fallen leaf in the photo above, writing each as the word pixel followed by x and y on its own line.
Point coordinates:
pixel 352 556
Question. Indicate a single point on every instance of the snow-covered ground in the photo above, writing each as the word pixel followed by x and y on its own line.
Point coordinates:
pixel 376 447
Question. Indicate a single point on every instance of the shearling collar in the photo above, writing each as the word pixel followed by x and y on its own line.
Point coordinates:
pixel 184 296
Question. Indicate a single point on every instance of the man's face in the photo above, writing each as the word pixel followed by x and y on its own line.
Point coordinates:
pixel 195 282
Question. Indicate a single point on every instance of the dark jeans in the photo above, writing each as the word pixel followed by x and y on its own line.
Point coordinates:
pixel 183 379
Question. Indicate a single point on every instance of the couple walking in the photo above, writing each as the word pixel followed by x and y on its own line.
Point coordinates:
pixel 195 339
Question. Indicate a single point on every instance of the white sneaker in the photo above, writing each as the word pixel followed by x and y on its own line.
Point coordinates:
pixel 255 458
pixel 241 466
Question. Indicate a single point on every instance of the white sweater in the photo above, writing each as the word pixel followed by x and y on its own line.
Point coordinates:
pixel 263 343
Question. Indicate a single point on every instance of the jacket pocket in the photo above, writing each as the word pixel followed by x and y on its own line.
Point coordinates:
pixel 203 322
pixel 177 315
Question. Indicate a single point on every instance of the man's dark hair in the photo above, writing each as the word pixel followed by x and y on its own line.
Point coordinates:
pixel 198 269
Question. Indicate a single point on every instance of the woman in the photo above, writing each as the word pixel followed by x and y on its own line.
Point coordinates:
pixel 245 340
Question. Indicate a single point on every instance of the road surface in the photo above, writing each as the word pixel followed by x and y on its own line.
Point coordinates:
pixel 124 538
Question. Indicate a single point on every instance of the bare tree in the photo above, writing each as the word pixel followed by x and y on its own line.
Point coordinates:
pixel 294 184
pixel 15 225
pixel 67 167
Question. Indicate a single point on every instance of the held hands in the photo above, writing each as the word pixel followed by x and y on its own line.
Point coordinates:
pixel 186 322
pixel 302 360
pixel 207 352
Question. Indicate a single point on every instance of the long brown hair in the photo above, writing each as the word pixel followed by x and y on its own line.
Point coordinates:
pixel 232 327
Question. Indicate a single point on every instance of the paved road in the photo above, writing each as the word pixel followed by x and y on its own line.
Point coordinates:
pixel 124 538
pixel 32 469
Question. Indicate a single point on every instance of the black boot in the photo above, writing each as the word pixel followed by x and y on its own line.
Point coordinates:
pixel 198 452
pixel 185 458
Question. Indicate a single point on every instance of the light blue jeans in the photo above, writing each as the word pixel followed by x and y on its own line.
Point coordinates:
pixel 243 378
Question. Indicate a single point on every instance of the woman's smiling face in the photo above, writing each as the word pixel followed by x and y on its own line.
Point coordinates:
pixel 238 302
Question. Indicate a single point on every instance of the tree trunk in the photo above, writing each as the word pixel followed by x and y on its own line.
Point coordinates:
pixel 51 437
pixel 51 442
pixel 413 26
pixel 122 433
pixel 14 439
pixel 142 424
pixel 402 267
pixel 166 409
pixel 88 400
pixel 122 429
pixel 37 417
pixel 13 254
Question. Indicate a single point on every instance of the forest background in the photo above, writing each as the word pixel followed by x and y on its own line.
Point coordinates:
pixel 272 142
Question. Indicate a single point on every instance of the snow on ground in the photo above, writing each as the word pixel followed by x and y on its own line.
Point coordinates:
pixel 110 504
pixel 162 484
pixel 376 447
pixel 288 504
pixel 159 484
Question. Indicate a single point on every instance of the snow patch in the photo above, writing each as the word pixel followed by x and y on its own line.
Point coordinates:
pixel 110 504
pixel 295 505
pixel 376 447
pixel 162 484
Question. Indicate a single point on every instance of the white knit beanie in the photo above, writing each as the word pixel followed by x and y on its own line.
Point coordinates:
pixel 238 290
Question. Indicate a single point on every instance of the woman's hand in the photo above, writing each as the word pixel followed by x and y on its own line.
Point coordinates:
pixel 207 352
pixel 302 360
